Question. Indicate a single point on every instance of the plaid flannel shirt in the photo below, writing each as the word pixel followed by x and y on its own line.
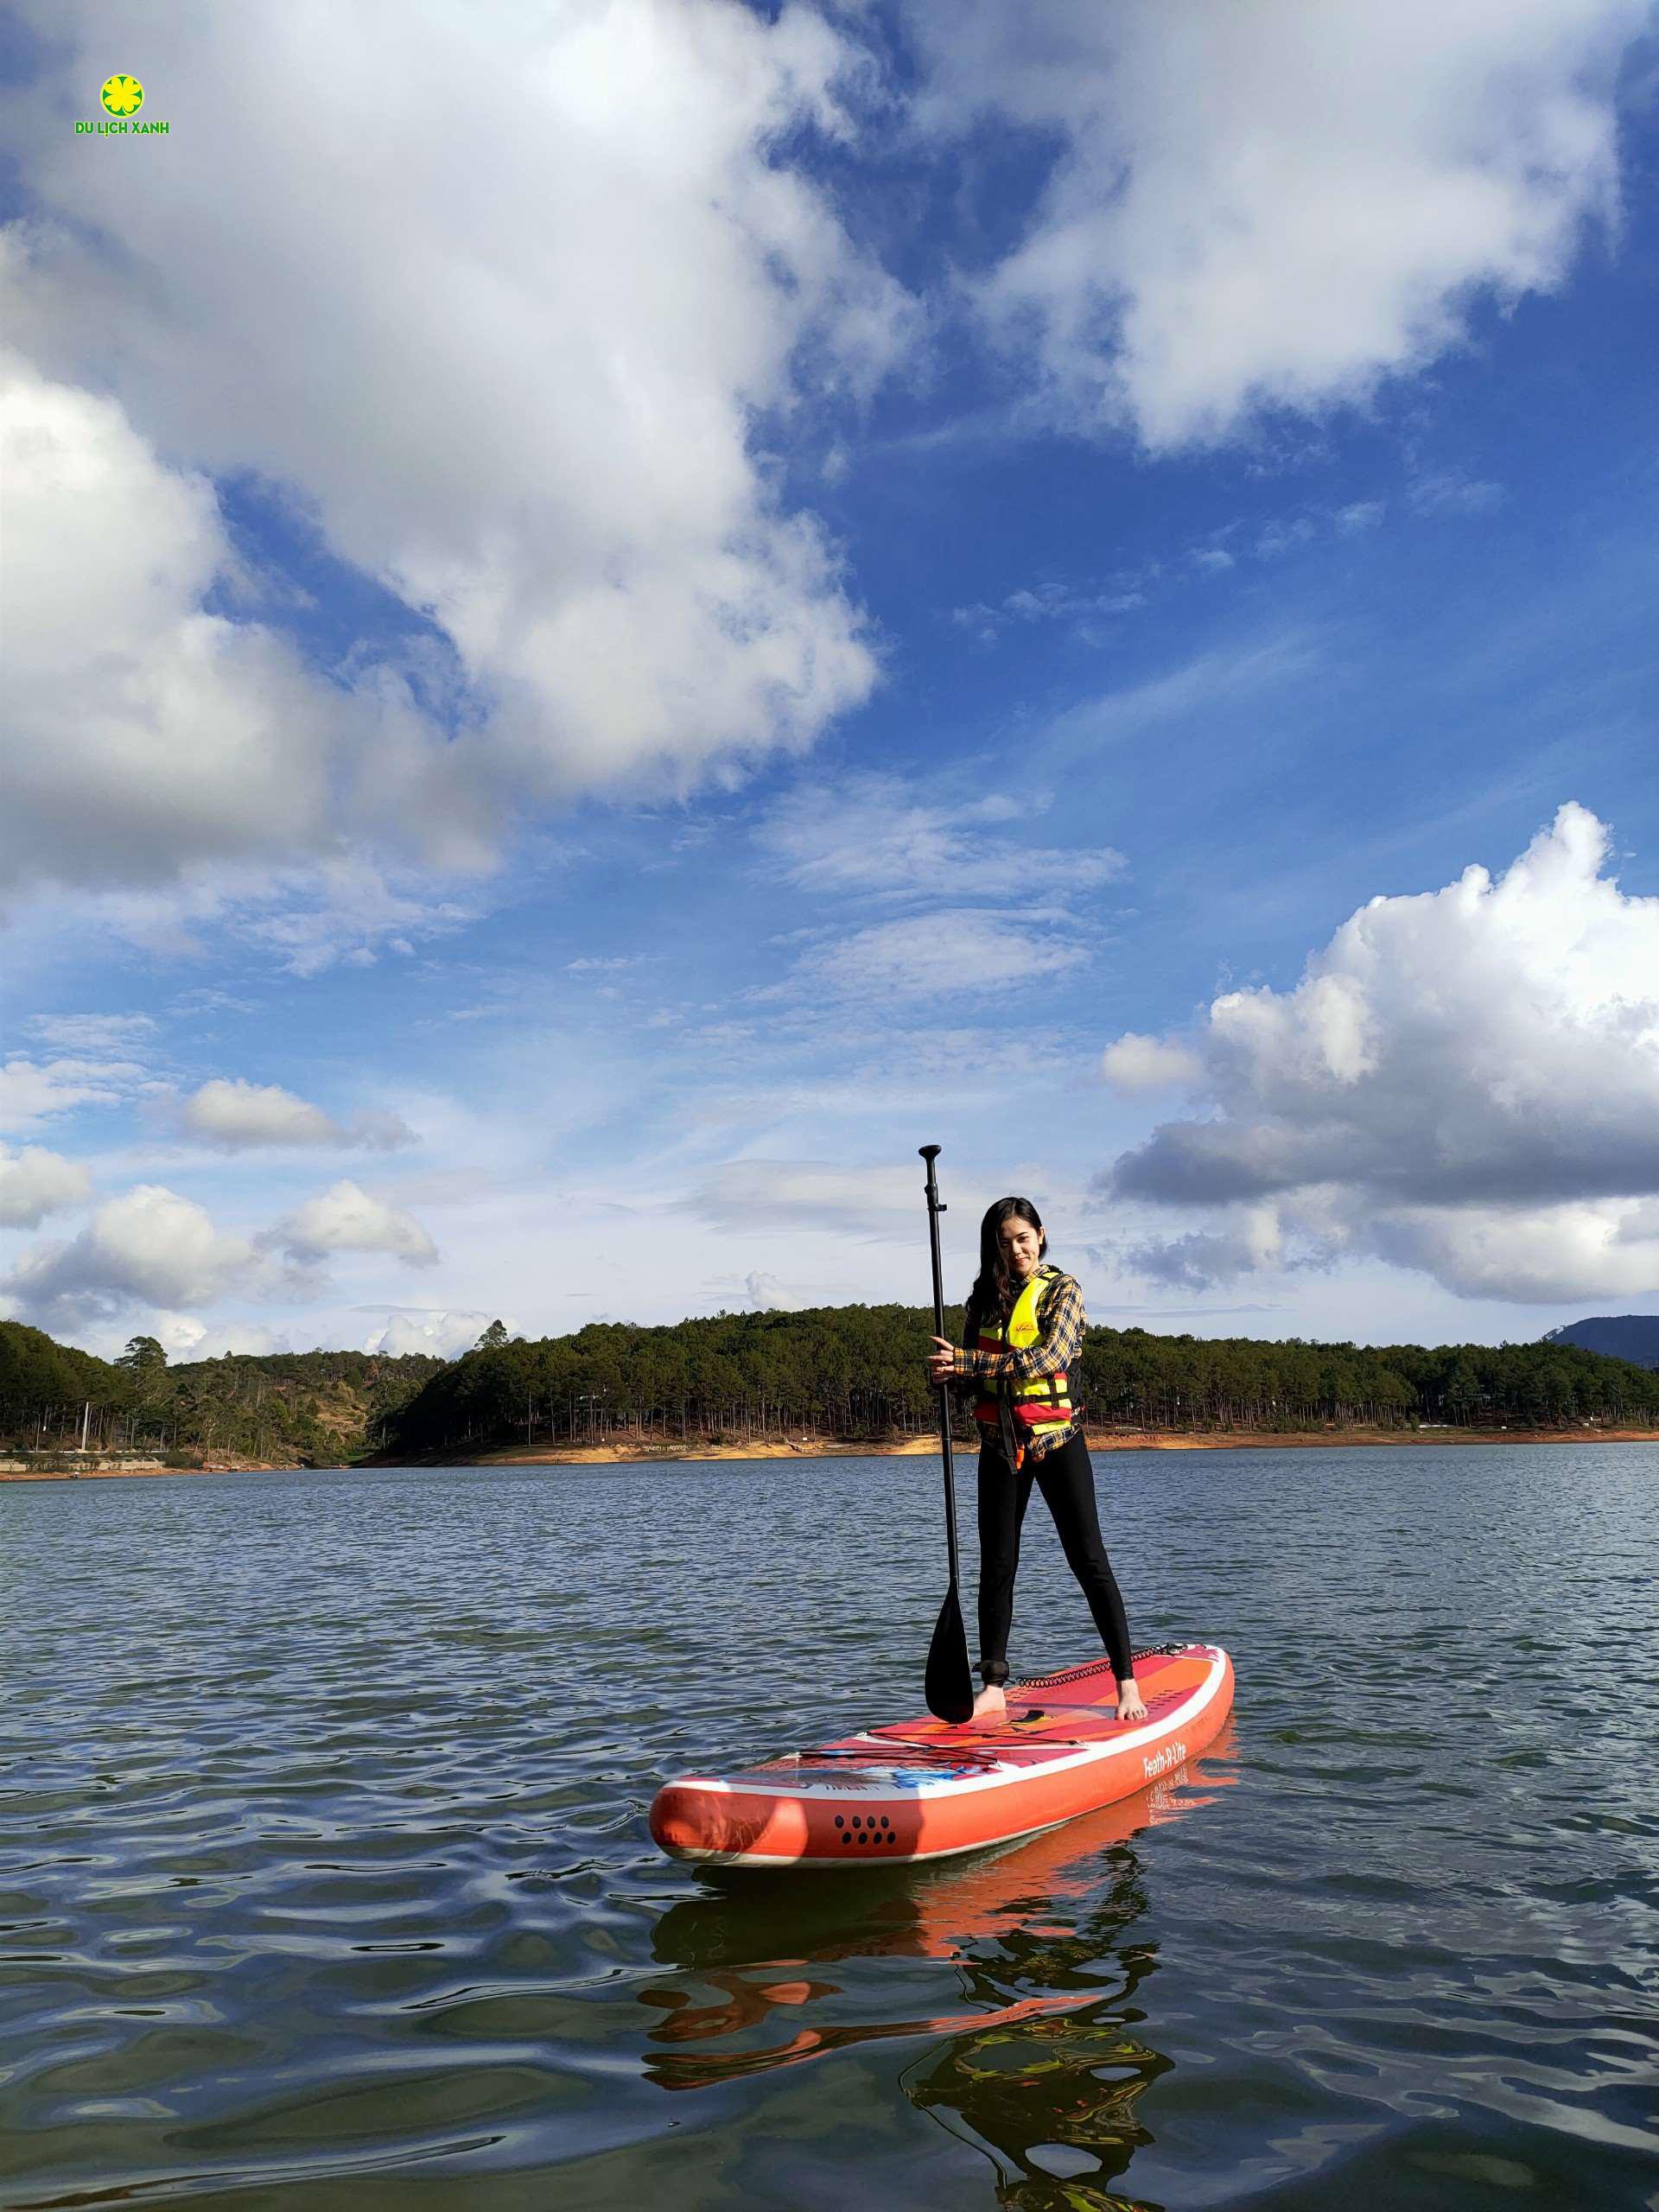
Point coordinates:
pixel 1061 1321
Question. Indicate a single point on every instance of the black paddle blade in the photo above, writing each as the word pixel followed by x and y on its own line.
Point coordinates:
pixel 949 1682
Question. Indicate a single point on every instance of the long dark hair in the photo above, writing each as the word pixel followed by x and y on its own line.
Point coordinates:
pixel 993 1286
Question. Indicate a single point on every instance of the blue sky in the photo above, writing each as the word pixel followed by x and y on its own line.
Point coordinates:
pixel 608 639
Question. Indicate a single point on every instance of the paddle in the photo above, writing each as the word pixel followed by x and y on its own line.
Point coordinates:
pixel 949 1680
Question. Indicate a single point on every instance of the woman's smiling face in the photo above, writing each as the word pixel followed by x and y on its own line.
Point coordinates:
pixel 1022 1247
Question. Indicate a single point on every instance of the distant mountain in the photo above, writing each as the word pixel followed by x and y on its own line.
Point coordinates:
pixel 1634 1336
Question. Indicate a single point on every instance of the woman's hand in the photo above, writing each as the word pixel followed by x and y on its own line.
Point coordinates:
pixel 941 1360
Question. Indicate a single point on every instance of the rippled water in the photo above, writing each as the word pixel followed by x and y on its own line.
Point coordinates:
pixel 325 1881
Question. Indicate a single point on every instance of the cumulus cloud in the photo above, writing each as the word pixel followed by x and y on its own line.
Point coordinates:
pixel 443 1335
pixel 247 1339
pixel 144 734
pixel 34 1183
pixel 238 1115
pixel 1592 1248
pixel 1464 1081
pixel 1277 207
pixel 347 1218
pixel 153 1248
pixel 547 447
pixel 182 1336
pixel 148 1247
pixel 1135 1063
pixel 1253 1241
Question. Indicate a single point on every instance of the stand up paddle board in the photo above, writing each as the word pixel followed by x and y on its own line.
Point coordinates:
pixel 923 1789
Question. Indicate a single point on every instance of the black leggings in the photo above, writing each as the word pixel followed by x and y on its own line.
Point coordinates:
pixel 1065 1476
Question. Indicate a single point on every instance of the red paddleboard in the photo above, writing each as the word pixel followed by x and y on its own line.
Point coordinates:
pixel 921 1790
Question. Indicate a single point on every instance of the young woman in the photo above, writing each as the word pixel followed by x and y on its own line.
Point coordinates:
pixel 1024 1329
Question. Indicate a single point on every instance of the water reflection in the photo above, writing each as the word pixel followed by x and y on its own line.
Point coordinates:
pixel 1043 2058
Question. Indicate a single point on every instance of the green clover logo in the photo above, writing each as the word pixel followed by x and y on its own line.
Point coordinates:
pixel 122 95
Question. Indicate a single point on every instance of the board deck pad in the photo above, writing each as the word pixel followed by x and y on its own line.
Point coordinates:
pixel 927 1788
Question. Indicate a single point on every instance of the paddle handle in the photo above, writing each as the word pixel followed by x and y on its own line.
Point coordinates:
pixel 930 1153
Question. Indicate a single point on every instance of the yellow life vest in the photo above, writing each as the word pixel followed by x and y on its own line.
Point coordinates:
pixel 1040 1406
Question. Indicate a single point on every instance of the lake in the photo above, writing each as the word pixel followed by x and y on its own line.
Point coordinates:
pixel 325 1880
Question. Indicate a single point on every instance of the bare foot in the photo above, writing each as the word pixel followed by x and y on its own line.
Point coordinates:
pixel 1131 1705
pixel 990 1707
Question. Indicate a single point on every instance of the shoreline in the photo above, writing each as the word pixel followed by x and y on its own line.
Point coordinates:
pixel 1098 1440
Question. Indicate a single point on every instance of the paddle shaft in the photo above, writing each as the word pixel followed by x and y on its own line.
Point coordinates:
pixel 935 1208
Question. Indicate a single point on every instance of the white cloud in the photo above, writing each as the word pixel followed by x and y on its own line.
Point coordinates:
pixel 349 909
pixel 182 1336
pixel 1209 682
pixel 1465 1081
pixel 151 1247
pixel 871 834
pixel 148 1247
pixel 1251 1241
pixel 347 1218
pixel 444 1335
pixel 1450 492
pixel 545 438
pixel 1085 606
pixel 145 736
pixel 955 953
pixel 186 1337
pixel 238 1115
pixel 33 1090
pixel 762 1194
pixel 34 1183
pixel 94 1033
pixel 205 998
pixel 1277 207
pixel 251 1340
pixel 1135 1064
pixel 353 909
pixel 868 840
pixel 1600 1247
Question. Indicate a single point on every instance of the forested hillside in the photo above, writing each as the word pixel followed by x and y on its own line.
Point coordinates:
pixel 856 1371
pixel 290 1409
pixel 846 1371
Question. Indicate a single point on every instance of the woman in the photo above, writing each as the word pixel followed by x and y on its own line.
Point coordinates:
pixel 1024 1327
